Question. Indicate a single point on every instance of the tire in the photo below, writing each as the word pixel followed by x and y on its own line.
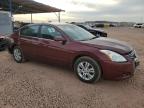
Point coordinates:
pixel 82 67
pixel 18 55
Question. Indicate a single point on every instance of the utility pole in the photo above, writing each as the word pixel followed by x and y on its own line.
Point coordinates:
pixel 58 16
pixel 10 7
pixel 11 13
pixel 59 19
pixel 31 18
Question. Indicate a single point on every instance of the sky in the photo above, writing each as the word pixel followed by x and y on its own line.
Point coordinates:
pixel 91 10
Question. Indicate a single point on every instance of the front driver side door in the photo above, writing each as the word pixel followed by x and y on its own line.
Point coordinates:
pixel 51 50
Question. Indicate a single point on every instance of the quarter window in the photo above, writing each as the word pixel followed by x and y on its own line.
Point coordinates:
pixel 30 31
pixel 49 32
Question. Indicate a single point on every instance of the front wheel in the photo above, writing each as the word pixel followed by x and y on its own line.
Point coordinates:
pixel 18 55
pixel 87 69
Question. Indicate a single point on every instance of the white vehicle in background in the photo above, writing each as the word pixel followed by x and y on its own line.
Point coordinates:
pixel 6 28
pixel 5 23
pixel 143 26
pixel 138 25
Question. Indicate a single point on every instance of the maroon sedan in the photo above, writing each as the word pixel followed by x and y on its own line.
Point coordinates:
pixel 90 57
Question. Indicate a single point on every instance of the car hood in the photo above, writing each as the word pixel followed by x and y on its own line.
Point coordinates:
pixel 109 44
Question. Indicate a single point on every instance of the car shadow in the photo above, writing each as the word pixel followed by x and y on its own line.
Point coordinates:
pixel 51 68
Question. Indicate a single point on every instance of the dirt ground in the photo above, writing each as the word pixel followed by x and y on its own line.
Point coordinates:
pixel 38 85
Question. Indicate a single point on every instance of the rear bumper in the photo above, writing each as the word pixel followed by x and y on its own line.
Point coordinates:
pixel 118 71
pixel 104 34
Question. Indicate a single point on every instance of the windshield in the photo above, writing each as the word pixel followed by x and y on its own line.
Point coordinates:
pixel 76 33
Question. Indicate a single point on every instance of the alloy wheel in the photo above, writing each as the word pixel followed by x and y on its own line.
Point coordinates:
pixel 85 70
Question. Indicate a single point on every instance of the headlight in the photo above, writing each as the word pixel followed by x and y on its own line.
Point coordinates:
pixel 114 56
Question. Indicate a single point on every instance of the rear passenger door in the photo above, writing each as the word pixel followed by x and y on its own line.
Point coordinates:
pixel 29 40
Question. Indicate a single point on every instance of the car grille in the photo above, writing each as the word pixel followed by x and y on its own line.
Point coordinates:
pixel 132 54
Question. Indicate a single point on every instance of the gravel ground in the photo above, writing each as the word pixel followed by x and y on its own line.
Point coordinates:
pixel 38 85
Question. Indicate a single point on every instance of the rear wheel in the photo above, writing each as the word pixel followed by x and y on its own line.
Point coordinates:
pixel 18 55
pixel 87 69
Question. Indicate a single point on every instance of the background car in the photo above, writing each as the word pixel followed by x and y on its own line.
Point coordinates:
pixel 138 25
pixel 143 26
pixel 89 56
pixel 96 32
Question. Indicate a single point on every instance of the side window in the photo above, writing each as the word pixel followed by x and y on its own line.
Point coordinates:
pixel 49 32
pixel 30 31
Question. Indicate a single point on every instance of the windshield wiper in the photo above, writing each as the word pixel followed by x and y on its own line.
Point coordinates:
pixel 89 38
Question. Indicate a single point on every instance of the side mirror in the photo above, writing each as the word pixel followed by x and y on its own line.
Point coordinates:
pixel 60 39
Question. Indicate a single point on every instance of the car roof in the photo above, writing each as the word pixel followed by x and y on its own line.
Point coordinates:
pixel 53 23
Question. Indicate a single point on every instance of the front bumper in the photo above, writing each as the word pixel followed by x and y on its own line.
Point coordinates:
pixel 117 71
